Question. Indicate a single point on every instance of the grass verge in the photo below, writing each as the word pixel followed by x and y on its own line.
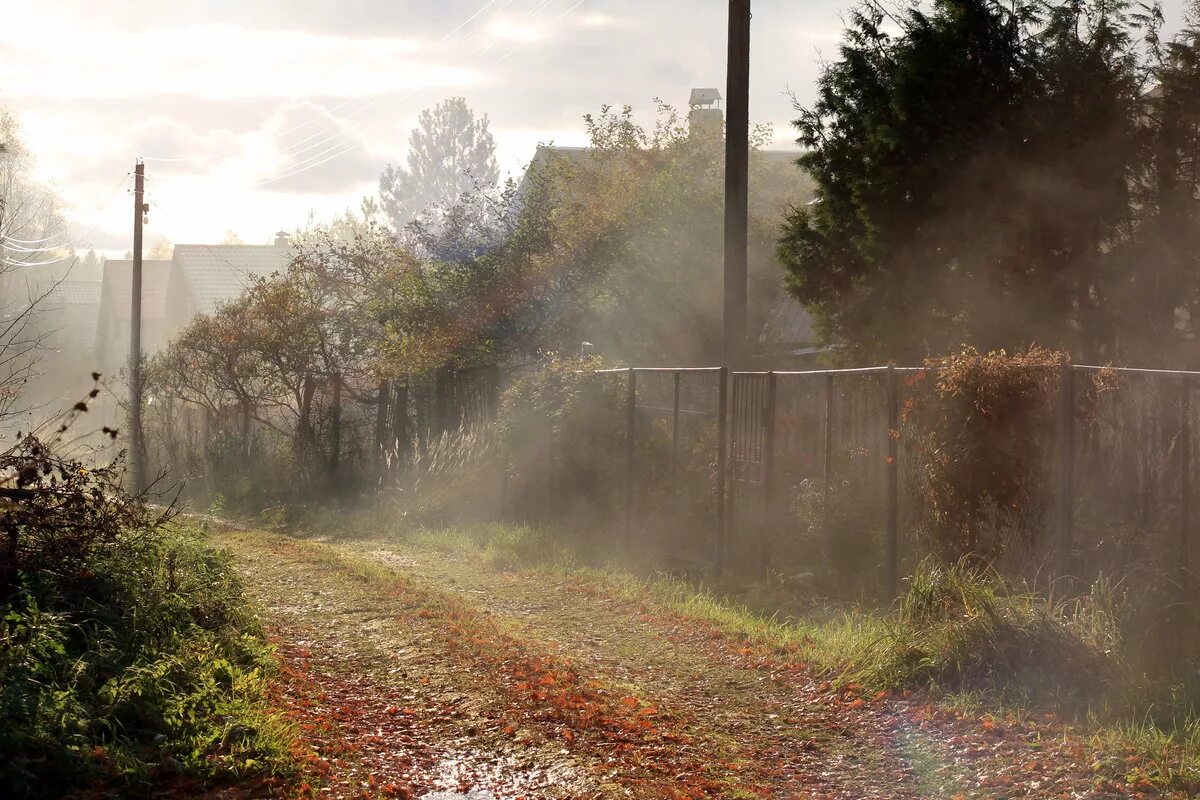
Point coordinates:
pixel 137 669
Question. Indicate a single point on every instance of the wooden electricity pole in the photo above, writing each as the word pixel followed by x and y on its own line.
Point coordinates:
pixel 737 189
pixel 137 444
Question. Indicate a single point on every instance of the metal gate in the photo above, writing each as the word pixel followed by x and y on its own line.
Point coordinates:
pixel 750 445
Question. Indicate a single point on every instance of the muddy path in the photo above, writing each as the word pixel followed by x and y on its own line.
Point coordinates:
pixel 414 672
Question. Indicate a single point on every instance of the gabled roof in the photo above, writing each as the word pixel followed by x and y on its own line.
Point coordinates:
pixel 545 154
pixel 72 309
pixel 117 290
pixel 75 293
pixel 789 325
pixel 216 274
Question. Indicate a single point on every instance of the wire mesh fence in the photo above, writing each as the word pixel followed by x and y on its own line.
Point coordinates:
pixel 834 473
pixel 672 447
pixel 1128 475
pixel 855 475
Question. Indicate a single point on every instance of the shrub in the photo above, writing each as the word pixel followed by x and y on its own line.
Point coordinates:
pixel 979 426
pixel 558 426
pixel 128 655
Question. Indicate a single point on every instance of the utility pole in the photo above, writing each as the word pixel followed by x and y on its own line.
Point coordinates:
pixel 136 441
pixel 737 186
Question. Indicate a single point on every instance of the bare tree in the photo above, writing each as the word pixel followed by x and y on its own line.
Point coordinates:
pixel 32 263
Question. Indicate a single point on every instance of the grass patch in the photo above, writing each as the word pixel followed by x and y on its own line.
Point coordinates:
pixel 958 628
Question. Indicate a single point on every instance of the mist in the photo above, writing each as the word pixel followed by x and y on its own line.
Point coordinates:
pixel 558 399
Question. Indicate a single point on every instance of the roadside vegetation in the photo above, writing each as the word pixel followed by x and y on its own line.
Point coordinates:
pixel 943 197
pixel 130 661
pixel 984 650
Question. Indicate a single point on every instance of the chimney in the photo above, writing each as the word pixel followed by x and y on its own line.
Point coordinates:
pixel 706 117
pixel 283 239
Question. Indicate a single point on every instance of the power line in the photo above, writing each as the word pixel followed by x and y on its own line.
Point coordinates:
pixel 327 137
pixel 316 160
pixel 33 241
pixel 341 104
pixel 556 21
pixel 12 263
pixel 64 241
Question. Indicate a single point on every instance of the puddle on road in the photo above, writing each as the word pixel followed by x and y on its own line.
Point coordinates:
pixel 505 774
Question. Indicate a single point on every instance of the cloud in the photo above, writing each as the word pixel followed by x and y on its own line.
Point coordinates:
pixel 342 17
pixel 598 19
pixel 219 62
pixel 317 152
pixel 328 90
pixel 515 31
pixel 204 149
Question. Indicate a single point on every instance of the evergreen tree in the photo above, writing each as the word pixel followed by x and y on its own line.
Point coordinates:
pixel 451 153
pixel 975 166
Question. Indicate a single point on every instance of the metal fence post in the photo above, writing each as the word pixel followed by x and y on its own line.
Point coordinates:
pixel 336 424
pixel 722 469
pixel 1066 477
pixel 891 543
pixel 827 468
pixel 399 438
pixel 630 434
pixel 675 431
pixel 769 479
pixel 381 416
pixel 1185 477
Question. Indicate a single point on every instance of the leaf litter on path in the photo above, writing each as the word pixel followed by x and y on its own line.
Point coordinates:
pixel 513 685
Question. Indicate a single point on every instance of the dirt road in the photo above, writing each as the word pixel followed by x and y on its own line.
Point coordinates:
pixel 414 673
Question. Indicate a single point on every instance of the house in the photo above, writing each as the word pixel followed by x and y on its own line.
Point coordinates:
pixel 203 277
pixel 116 292
pixel 198 279
pixel 69 312
pixel 788 338
pixel 62 320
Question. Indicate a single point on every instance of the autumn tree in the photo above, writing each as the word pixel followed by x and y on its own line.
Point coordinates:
pixel 621 244
pixel 33 258
pixel 331 315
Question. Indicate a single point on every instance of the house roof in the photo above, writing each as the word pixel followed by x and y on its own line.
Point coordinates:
pixel 117 289
pixel 545 153
pixel 790 325
pixel 216 274
pixel 71 293
pixel 72 309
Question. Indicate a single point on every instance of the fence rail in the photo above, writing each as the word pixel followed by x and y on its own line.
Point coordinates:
pixel 800 470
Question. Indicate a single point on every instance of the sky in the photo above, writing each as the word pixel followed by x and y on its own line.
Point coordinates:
pixel 254 114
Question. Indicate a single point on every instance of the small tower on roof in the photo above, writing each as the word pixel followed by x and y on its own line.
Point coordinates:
pixel 706 117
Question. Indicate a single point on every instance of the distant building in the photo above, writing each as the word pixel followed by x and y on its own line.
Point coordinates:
pixel 116 292
pixel 70 312
pixel 198 279
pixel 705 116
pixel 63 319
pixel 206 276
pixel 788 338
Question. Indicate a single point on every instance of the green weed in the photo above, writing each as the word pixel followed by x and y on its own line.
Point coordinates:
pixel 143 667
